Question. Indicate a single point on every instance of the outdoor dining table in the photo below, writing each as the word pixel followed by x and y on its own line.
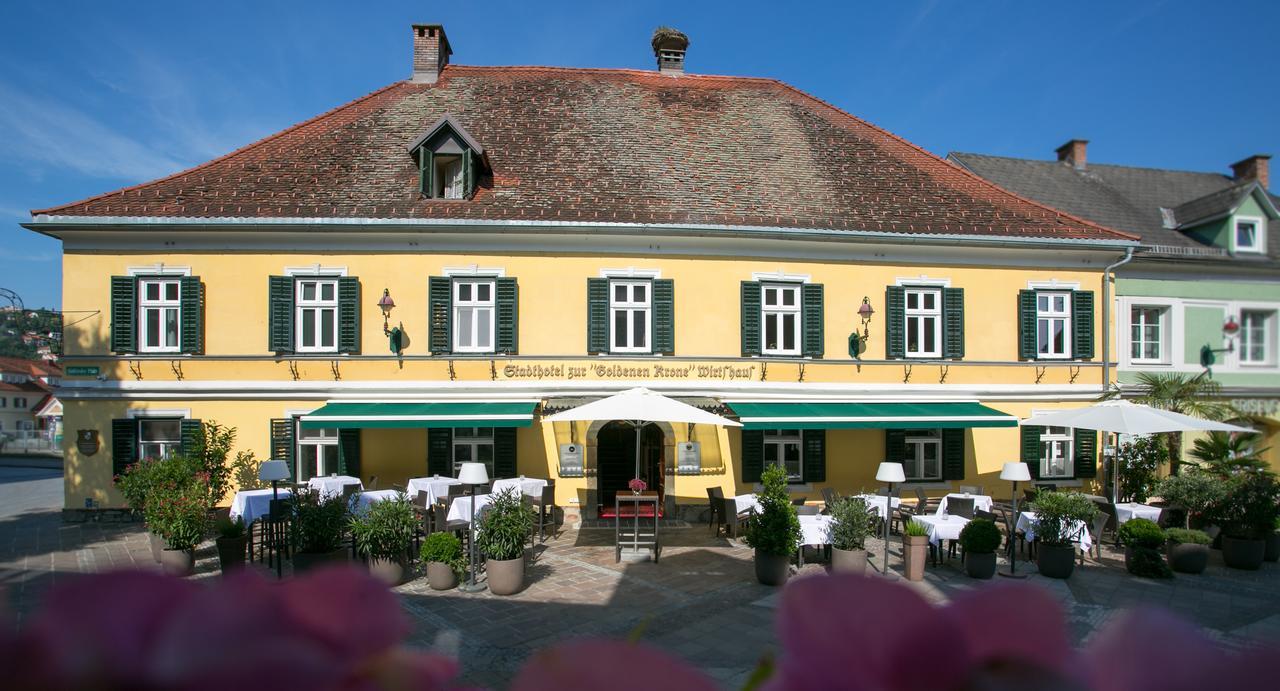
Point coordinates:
pixel 1131 510
pixel 437 487
pixel 939 528
pixel 746 502
pixel 331 485
pixel 880 503
pixel 252 504
pixel 981 502
pixel 814 531
pixel 531 486
pixel 1027 523
pixel 363 500
pixel 460 507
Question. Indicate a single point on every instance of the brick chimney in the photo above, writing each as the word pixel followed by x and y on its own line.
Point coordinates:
pixel 431 52
pixel 669 46
pixel 1073 152
pixel 1256 167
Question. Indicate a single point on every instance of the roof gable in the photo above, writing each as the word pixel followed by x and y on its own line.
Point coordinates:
pixel 443 127
pixel 1223 203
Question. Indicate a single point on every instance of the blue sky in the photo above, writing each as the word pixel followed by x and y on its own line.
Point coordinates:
pixel 96 96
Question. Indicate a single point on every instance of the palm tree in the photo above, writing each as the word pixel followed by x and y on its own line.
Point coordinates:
pixel 1226 454
pixel 1196 396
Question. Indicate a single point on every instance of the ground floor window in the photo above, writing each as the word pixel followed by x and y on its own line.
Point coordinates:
pixel 923 457
pixel 1056 444
pixel 473 445
pixel 317 453
pixel 782 447
pixel 159 437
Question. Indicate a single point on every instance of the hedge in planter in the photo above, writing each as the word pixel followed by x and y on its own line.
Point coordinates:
pixel 774 529
pixel 318 524
pixel 1187 551
pixel 850 526
pixel 504 527
pixel 980 539
pixel 177 509
pixel 1060 517
pixel 383 534
pixel 442 553
pixel 1248 515
pixel 1143 540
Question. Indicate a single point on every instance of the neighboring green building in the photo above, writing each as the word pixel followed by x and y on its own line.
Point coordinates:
pixel 1204 288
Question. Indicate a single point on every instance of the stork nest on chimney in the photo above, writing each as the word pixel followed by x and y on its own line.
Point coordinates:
pixel 668 37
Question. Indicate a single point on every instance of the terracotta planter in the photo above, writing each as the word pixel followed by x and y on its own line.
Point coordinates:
pixel 1187 557
pixel 506 576
pixel 307 561
pixel 178 562
pixel 772 569
pixel 231 552
pixel 1243 554
pixel 1056 561
pixel 1272 551
pixel 157 546
pixel 441 576
pixel 980 564
pixel 849 560
pixel 915 550
pixel 389 571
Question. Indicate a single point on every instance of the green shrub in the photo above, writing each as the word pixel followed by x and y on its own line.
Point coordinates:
pixel 504 526
pixel 1249 510
pixel 914 529
pixel 1193 490
pixel 178 509
pixel 318 521
pixel 1059 516
pixel 980 536
pixel 774 528
pixel 1140 532
pixel 850 523
pixel 1137 462
pixel 386 530
pixel 1182 536
pixel 207 449
pixel 229 528
pixel 1148 563
pixel 445 548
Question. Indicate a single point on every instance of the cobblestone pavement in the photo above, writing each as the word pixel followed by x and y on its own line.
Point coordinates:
pixel 700 601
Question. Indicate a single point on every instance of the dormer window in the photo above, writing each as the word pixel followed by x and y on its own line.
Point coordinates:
pixel 1249 235
pixel 450 161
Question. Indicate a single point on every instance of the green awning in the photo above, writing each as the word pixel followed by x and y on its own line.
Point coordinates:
pixel 770 415
pixel 420 415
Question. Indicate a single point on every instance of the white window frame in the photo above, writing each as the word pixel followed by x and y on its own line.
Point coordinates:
pixel 475 305
pixel 452 184
pixel 161 305
pixel 318 304
pixel 1163 322
pixel 913 457
pixel 1050 316
pixel 782 438
pixel 1063 441
pixel 326 443
pixel 631 306
pixel 778 313
pixel 475 442
pixel 1268 338
pixel 167 446
pixel 921 315
pixel 1259 245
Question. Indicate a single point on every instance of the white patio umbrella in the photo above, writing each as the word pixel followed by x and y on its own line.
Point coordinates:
pixel 639 407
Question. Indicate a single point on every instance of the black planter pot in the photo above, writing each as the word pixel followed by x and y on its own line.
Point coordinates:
pixel 1056 561
pixel 1187 557
pixel 1272 551
pixel 980 565
pixel 772 569
pixel 231 552
pixel 1243 554
pixel 307 561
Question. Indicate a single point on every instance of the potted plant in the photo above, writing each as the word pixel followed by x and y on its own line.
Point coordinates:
pixel 136 483
pixel 1248 515
pixel 1142 541
pixel 178 510
pixel 1194 491
pixel 1187 551
pixel 850 526
pixel 383 535
pixel 980 539
pixel 504 527
pixel 636 485
pixel 232 542
pixel 318 522
pixel 442 553
pixel 773 530
pixel 1060 517
pixel 915 542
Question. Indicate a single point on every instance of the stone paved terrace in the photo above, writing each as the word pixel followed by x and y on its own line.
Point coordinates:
pixel 700 601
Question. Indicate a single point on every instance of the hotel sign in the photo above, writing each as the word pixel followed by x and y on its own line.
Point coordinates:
pixel 612 371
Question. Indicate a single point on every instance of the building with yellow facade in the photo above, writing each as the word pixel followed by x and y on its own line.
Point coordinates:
pixel 416 278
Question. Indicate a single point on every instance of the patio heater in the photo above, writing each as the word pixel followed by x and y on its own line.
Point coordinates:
pixel 889 473
pixel 274 472
pixel 1015 473
pixel 473 474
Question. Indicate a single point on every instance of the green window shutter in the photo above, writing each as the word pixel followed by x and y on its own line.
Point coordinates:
pixel 1086 453
pixel 440 451
pixel 953 454
pixel 895 445
pixel 468 174
pixel 664 319
pixel 895 322
pixel 597 315
pixel 750 318
pixel 280 314
pixel 192 308
pixel 1082 324
pixel 504 452
pixel 124 444
pixel 426 171
pixel 507 298
pixel 1026 324
pixel 1031 449
pixel 812 319
pixel 348 314
pixel 124 314
pixel 282 431
pixel 752 454
pixel 191 435
pixel 349 452
pixel 814 445
pixel 440 315
pixel 953 323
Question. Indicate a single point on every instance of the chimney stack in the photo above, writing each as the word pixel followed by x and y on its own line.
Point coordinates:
pixel 1256 167
pixel 669 46
pixel 1073 152
pixel 431 52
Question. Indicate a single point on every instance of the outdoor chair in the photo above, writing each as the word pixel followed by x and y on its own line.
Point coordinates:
pixel 349 491
pixel 971 489
pixel 276 531
pixel 799 501
pixel 715 515
pixel 1164 519
pixel 1014 538
pixel 421 511
pixel 807 510
pixel 1110 510
pixel 545 506
pixel 373 483
pixel 829 498
pixel 732 519
pixel 443 524
pixel 1095 531
pixel 960 506
pixel 455 491
pixel 923 504
pixel 398 488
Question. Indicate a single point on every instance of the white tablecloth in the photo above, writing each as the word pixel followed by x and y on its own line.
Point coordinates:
pixel 437 487
pixel 879 503
pixel 252 504
pixel 1027 524
pixel 942 527
pixel 980 502
pixel 331 486
pixel 815 530
pixel 460 508
pixel 363 500
pixel 531 486
pixel 746 502
pixel 1130 510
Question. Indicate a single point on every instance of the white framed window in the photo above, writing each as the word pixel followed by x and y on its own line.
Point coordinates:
pixel 924 322
pixel 473 316
pixel 1148 328
pixel 159 437
pixel 317 315
pixel 1257 337
pixel 923 457
pixel 1250 234
pixel 1056 447
pixel 449 177
pixel 472 445
pixel 317 454
pixel 630 316
pixel 159 314
pixel 1053 324
pixel 20 402
pixel 780 317
pixel 783 447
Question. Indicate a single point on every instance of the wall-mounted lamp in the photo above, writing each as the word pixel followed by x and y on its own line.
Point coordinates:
pixel 386 304
pixel 1229 329
pixel 858 342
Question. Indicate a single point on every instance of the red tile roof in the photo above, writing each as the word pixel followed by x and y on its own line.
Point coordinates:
pixel 591 145
pixel 33 368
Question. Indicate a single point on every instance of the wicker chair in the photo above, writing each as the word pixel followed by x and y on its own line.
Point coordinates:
pixel 545 506
pixel 1095 531
pixel 923 504
pixel 960 506
pixel 829 498
pixel 732 519
pixel 715 516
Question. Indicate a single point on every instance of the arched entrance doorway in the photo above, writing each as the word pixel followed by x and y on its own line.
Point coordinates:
pixel 616 462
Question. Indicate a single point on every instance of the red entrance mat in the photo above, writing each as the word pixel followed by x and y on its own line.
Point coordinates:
pixel 646 511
